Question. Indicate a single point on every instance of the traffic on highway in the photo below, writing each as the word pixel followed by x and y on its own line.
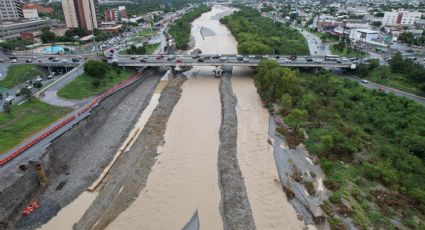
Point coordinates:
pixel 248 60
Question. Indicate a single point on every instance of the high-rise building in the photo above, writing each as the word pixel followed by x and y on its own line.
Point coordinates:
pixel 116 14
pixel 397 18
pixel 11 10
pixel 81 13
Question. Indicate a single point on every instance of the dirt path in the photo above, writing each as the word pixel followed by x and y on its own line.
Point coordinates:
pixel 270 208
pixel 129 174
pixel 185 176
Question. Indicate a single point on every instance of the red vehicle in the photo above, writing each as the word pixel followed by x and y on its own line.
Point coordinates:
pixel 160 57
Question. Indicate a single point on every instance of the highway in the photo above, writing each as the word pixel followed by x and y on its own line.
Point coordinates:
pixel 226 60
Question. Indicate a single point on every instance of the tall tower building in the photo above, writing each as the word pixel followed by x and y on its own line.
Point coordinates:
pixel 11 10
pixel 81 13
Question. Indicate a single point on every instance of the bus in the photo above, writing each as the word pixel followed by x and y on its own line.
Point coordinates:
pixel 332 57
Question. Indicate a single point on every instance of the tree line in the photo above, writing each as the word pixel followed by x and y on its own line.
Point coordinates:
pixel 180 29
pixel 260 35
pixel 364 139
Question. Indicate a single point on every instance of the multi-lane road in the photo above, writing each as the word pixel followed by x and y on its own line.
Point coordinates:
pixel 228 60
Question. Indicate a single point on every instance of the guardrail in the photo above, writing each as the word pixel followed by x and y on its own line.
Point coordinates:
pixel 70 118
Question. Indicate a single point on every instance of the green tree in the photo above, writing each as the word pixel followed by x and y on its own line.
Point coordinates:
pixel 27 93
pixel 47 36
pixel 37 85
pixel 397 63
pixel 377 23
pixel 296 118
pixel 286 102
pixel 95 83
pixel 96 69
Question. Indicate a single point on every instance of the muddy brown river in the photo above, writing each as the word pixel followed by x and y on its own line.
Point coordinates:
pixel 185 176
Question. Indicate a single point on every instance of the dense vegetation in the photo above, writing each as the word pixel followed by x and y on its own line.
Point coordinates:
pixel 401 73
pixel 260 35
pixel 133 50
pixel 180 29
pixel 97 77
pixel 371 145
pixel 26 119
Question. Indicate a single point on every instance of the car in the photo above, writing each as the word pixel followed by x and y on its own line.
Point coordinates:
pixel 196 56
pixel 239 57
pixel 339 61
pixel 160 57
pixel 51 58
pixel 50 76
pixel 114 60
pixel 217 56
pixel 1 61
pixel 145 57
pixel 364 81
pixel 13 61
pixel 29 82
pixel 309 59
pixel 224 59
pixel 12 57
pixel 266 57
pixel 39 79
pixel 277 57
pixel 413 58
pixel 29 60
pixel 178 60
pixel 292 57
pixel 10 99
pixel 29 87
pixel 171 57
pixel 55 60
pixel 75 59
pixel 143 60
pixel 18 93
pixel 200 59
pixel 252 56
pixel 345 59
pixel 318 61
pixel 134 57
pixel 64 61
pixel 245 60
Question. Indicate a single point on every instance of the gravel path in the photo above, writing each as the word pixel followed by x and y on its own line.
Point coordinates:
pixel 129 174
pixel 235 208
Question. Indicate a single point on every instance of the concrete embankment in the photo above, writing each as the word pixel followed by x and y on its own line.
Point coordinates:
pixel 129 174
pixel 235 208
pixel 75 159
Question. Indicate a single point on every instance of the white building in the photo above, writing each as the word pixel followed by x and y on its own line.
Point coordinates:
pixel 364 34
pixel 396 18
pixel 30 11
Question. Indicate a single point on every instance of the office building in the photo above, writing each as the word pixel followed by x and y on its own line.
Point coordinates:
pixel 81 13
pixel 11 10
pixel 12 30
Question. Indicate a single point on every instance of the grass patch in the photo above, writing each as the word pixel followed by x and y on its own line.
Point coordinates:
pixel 397 81
pixel 347 52
pixel 81 87
pixel 20 73
pixel 146 33
pixel 25 120
pixel 149 49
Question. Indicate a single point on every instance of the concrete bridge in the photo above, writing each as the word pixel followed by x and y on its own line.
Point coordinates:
pixel 209 60
pixel 229 60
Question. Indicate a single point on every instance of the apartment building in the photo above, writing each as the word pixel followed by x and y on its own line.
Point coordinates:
pixel 11 10
pixel 81 13
pixel 397 18
pixel 116 14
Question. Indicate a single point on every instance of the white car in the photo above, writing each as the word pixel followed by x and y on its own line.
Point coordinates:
pixel 10 98
pixel 64 60
pixel 39 79
pixel 114 60
pixel 251 56
pixel 364 81
pixel 13 61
